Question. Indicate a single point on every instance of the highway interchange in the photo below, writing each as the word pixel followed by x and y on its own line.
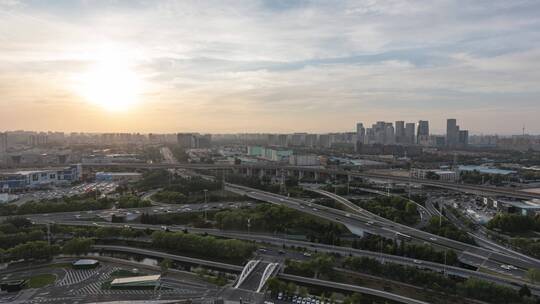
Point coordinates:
pixel 488 256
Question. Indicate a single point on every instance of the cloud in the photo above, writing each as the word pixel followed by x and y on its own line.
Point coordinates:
pixel 214 61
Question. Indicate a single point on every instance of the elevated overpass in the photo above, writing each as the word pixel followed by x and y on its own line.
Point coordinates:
pixel 391 229
pixel 276 170
pixel 279 241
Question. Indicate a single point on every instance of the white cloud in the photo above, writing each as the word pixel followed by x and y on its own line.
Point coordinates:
pixel 339 56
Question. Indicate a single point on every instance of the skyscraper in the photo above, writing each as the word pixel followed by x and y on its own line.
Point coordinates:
pixel 409 133
pixel 360 135
pixel 389 134
pixel 400 132
pixel 452 132
pixel 463 138
pixel 422 137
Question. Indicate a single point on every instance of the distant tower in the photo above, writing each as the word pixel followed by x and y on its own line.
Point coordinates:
pixel 282 185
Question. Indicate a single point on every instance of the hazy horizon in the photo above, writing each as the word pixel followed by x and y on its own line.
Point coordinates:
pixel 268 66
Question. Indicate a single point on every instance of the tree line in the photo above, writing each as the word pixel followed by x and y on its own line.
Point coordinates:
pixel 203 246
pixel 394 208
pixel 514 223
pixel 416 251
pixel 443 227
pixel 470 288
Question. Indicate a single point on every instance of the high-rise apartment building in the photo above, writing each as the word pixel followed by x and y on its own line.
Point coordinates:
pixel 452 132
pixel 422 137
pixel 360 134
pixel 390 135
pixel 311 140
pixel 186 140
pixel 463 138
pixel 409 133
pixel 400 132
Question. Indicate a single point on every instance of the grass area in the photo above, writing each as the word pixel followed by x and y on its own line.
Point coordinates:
pixel 40 280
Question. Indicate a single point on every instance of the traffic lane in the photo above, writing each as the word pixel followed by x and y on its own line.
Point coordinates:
pixel 502 255
pixel 323 212
pixel 314 247
pixel 423 236
pixel 131 211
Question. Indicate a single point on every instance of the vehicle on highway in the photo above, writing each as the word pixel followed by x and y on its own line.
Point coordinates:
pixel 403 236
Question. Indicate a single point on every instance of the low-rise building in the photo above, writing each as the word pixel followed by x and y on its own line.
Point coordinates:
pixel 140 282
pixel 17 180
pixel 85 264
pixel 442 175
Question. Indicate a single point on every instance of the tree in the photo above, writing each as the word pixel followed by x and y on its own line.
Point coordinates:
pixel 165 265
pixel 524 291
pixel 353 299
pixel 38 250
pixel 533 274
pixel 77 246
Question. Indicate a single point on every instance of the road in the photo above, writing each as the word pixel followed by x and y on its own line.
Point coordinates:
pixel 168 156
pixel 353 288
pixel 482 190
pixel 343 251
pixel 256 273
pixel 105 214
pixel 424 214
pixel 358 223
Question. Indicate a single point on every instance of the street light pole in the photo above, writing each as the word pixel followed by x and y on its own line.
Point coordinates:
pixel 205 203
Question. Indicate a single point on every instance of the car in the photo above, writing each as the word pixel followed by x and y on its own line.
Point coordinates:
pixel 507 267
pixel 432 239
pixel 281 252
pixel 307 254
pixel 315 209
pixel 417 261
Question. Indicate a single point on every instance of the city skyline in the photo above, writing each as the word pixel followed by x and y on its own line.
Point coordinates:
pixel 268 66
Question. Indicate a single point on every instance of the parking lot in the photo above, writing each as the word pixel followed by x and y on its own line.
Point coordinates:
pixel 59 192
pixel 283 298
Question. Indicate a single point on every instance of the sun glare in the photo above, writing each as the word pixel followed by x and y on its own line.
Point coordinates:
pixel 110 82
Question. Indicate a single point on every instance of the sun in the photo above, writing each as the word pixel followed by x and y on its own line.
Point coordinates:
pixel 110 82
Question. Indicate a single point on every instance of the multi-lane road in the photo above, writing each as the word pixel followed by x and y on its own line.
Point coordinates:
pixel 279 241
pixel 494 258
pixel 482 190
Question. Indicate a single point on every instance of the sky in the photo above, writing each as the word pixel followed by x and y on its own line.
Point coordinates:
pixel 269 65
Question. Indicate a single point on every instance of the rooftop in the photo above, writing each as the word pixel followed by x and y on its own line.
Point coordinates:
pixel 136 280
pixel 83 262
